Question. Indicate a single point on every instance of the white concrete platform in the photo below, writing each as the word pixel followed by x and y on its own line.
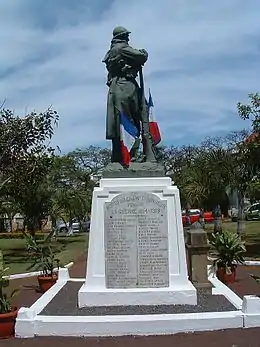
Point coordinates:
pixel 30 323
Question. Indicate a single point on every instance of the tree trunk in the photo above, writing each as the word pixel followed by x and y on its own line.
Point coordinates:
pixel 31 227
pixel 32 231
pixel 70 231
pixel 217 224
pixel 54 225
pixel 10 221
pixel 240 213
pixel 217 219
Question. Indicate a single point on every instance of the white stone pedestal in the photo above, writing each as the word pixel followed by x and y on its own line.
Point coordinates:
pixel 136 245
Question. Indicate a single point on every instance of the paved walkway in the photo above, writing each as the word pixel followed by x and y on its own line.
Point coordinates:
pixel 27 294
pixel 78 269
pixel 28 286
pixel 227 338
pixel 245 284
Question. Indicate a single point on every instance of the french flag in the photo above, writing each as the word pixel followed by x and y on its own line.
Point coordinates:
pixel 153 126
pixel 128 136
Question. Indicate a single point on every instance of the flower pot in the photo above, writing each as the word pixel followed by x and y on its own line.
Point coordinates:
pixel 225 277
pixel 7 323
pixel 46 282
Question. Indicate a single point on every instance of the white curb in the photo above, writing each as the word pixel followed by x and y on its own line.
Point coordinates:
pixel 246 262
pixel 31 323
pixel 251 310
pixel 33 274
pixel 221 288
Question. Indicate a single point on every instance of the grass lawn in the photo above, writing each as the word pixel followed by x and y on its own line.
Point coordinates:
pixel 66 249
pixel 252 228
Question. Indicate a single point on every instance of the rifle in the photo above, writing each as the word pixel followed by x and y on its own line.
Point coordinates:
pixel 146 137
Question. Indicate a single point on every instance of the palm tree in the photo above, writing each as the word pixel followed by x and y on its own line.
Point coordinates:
pixel 195 184
pixel 206 177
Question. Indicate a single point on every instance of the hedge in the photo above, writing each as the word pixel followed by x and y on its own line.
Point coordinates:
pixel 20 236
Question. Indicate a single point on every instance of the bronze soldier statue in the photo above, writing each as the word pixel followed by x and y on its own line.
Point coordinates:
pixel 125 95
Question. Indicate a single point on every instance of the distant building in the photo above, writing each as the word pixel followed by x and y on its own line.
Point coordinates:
pixel 7 225
pixel 17 223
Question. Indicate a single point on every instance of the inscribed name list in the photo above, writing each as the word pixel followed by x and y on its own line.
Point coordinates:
pixel 136 241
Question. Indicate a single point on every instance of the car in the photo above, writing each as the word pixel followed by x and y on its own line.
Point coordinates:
pixel 253 212
pixel 234 212
pixel 194 215
pixel 76 226
pixel 208 216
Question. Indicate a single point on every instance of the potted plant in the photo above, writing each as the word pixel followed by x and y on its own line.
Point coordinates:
pixel 8 313
pixel 43 260
pixel 229 252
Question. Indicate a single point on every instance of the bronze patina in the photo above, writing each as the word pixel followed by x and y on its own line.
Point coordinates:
pixel 124 63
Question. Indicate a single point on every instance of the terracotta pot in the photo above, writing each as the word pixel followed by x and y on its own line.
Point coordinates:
pixel 7 323
pixel 224 277
pixel 46 282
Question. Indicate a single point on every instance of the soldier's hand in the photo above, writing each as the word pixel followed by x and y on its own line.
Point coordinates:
pixel 144 52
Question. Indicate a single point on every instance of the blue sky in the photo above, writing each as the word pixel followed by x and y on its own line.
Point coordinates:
pixel 204 56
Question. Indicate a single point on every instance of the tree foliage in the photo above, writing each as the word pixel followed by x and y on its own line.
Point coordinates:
pixel 25 160
pixel 23 142
pixel 38 183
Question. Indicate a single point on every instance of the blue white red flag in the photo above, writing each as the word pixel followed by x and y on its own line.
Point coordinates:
pixel 153 125
pixel 128 136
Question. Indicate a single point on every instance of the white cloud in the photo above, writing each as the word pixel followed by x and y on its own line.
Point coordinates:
pixel 203 58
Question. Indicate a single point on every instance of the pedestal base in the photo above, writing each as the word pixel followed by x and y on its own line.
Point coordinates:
pixel 184 294
pixel 136 245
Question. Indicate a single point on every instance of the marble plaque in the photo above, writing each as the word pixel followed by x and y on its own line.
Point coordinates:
pixel 136 241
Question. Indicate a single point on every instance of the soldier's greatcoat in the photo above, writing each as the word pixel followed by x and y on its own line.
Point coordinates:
pixel 123 63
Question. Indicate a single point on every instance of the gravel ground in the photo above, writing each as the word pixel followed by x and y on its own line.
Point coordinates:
pixel 65 303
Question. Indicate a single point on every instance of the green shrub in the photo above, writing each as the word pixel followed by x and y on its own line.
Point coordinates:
pixel 5 301
pixel 229 248
pixel 42 255
pixel 20 235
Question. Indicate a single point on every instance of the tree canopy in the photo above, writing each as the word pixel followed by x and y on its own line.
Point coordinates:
pixel 38 182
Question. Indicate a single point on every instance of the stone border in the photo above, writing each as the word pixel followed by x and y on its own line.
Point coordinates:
pixel 246 262
pixel 249 306
pixel 134 325
pixel 221 288
pixel 33 274
pixel 251 311
pixel 29 323
pixel 252 262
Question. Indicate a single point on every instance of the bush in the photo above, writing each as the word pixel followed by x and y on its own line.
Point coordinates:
pixel 229 247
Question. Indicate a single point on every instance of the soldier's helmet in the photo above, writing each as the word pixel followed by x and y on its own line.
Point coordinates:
pixel 118 31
